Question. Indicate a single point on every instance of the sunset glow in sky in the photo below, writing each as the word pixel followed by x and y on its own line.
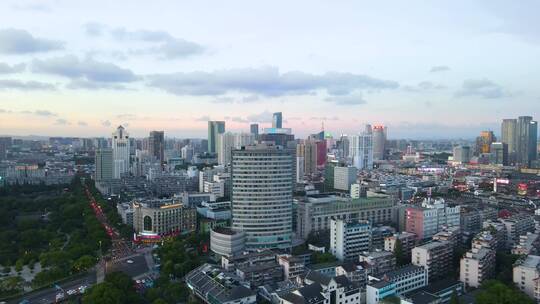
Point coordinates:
pixel 426 69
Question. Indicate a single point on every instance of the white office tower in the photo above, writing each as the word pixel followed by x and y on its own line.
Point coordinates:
pixel 262 195
pixel 349 239
pixel 187 153
pixel 120 147
pixel 379 142
pixel 361 149
pixel 228 141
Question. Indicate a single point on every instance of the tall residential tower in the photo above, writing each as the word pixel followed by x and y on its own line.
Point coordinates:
pixel 262 188
pixel 120 150
pixel 214 129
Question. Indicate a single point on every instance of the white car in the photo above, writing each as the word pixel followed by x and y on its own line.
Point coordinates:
pixel 129 261
pixel 59 296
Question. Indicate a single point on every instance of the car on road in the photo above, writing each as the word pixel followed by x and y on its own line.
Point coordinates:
pixel 59 296
pixel 129 261
pixel 72 292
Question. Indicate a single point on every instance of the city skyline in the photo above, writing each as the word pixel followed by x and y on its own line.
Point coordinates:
pixel 174 73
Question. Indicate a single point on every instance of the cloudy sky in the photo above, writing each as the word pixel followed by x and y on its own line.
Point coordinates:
pixel 426 69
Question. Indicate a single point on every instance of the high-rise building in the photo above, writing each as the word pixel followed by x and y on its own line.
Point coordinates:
pixel 308 151
pixel 361 150
pixel 478 264
pixel 262 188
pixel 499 153
pixel 429 219
pixel 187 153
pixel 509 136
pixel 435 256
pixel 484 141
pixel 104 165
pixel 5 144
pixel 462 154
pixel 254 129
pixel 526 274
pixel 228 141
pixel 214 129
pixel 156 145
pixel 349 239
pixel 120 149
pixel 224 146
pixel 277 120
pixel 527 140
pixel 344 177
pixel 379 142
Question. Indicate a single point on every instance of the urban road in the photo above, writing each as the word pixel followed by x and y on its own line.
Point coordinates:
pixel 140 263
pixel 48 295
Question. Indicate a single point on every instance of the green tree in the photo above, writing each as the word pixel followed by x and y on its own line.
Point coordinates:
pixel 103 293
pixel 398 252
pixel 496 292
pixel 19 265
pixel 84 263
pixel 454 299
pixel 116 289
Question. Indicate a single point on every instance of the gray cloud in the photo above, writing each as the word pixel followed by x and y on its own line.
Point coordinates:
pixel 236 119
pixel 87 69
pixel 323 118
pixel 265 81
pixel 82 124
pixel 178 48
pixel 14 41
pixel 32 7
pixel 224 99
pixel 62 122
pixel 423 86
pixel 44 113
pixel 346 100
pixel 264 117
pixel 94 85
pixel 8 69
pixel 12 84
pixel 170 47
pixel 250 98
pixel 483 88
pixel 439 68
pixel 106 123
pixel 203 118
pixel 94 29
pixel 165 45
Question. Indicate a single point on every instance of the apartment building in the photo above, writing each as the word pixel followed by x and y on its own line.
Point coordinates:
pixel 349 239
pixel 478 264
pixel 407 239
pixel 397 282
pixel 430 218
pixel 378 262
pixel 528 244
pixel 526 276
pixel 516 226
pixel 435 256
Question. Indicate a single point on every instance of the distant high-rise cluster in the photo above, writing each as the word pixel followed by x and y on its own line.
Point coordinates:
pixel 120 149
pixel 156 145
pixel 214 129
pixel 521 137
pixel 361 149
